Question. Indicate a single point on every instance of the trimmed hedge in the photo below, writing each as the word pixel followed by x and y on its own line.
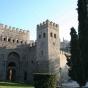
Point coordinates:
pixel 43 80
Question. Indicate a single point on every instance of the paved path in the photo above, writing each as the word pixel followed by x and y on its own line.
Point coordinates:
pixel 71 85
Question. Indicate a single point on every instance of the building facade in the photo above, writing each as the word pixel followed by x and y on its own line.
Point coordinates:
pixel 20 58
pixel 65 46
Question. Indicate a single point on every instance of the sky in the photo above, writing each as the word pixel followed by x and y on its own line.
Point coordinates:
pixel 26 14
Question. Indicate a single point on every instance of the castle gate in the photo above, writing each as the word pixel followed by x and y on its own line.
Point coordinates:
pixel 11 71
pixel 13 66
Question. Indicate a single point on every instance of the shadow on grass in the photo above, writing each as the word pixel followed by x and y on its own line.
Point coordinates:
pixel 15 84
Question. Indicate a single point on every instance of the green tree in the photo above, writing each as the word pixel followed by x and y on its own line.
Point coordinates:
pixel 83 35
pixel 74 63
pixel 78 62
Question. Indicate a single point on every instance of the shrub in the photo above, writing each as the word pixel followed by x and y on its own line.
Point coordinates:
pixel 44 80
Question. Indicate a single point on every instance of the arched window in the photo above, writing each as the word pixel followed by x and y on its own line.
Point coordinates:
pixel 54 35
pixel 44 35
pixel 25 75
pixel 4 39
pixel 51 34
pixel 9 40
pixel 13 41
pixel 17 41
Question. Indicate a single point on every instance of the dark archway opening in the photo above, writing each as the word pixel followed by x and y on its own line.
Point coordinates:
pixel 11 71
pixel 12 68
pixel 25 76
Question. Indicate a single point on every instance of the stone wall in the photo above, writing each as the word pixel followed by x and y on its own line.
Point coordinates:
pixel 48 47
pixel 11 36
pixel 63 66
pixel 25 63
pixel 41 56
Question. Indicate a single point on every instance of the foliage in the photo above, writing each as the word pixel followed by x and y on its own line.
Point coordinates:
pixel 75 63
pixel 42 80
pixel 78 63
pixel 74 49
pixel 83 36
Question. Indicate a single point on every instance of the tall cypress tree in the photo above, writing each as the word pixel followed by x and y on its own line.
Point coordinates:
pixel 74 63
pixel 78 63
pixel 83 35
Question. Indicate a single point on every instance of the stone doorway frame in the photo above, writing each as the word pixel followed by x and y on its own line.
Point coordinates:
pixel 13 67
pixel 11 71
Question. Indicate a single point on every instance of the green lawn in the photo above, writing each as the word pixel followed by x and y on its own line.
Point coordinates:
pixel 14 85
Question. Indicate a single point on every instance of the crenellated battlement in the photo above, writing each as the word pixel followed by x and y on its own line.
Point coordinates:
pixel 13 35
pixel 32 43
pixel 18 30
pixel 48 24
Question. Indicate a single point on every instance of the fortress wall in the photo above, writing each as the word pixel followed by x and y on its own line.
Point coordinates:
pixel 14 33
pixel 63 58
pixel 11 37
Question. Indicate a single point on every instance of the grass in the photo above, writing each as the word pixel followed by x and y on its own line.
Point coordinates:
pixel 14 85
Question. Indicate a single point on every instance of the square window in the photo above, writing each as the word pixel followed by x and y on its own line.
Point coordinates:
pixel 9 40
pixel 44 35
pixel 51 34
pixel 54 35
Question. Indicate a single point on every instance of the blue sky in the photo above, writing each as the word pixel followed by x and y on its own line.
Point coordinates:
pixel 27 14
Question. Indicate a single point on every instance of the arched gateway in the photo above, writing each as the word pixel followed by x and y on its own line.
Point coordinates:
pixel 11 71
pixel 12 66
